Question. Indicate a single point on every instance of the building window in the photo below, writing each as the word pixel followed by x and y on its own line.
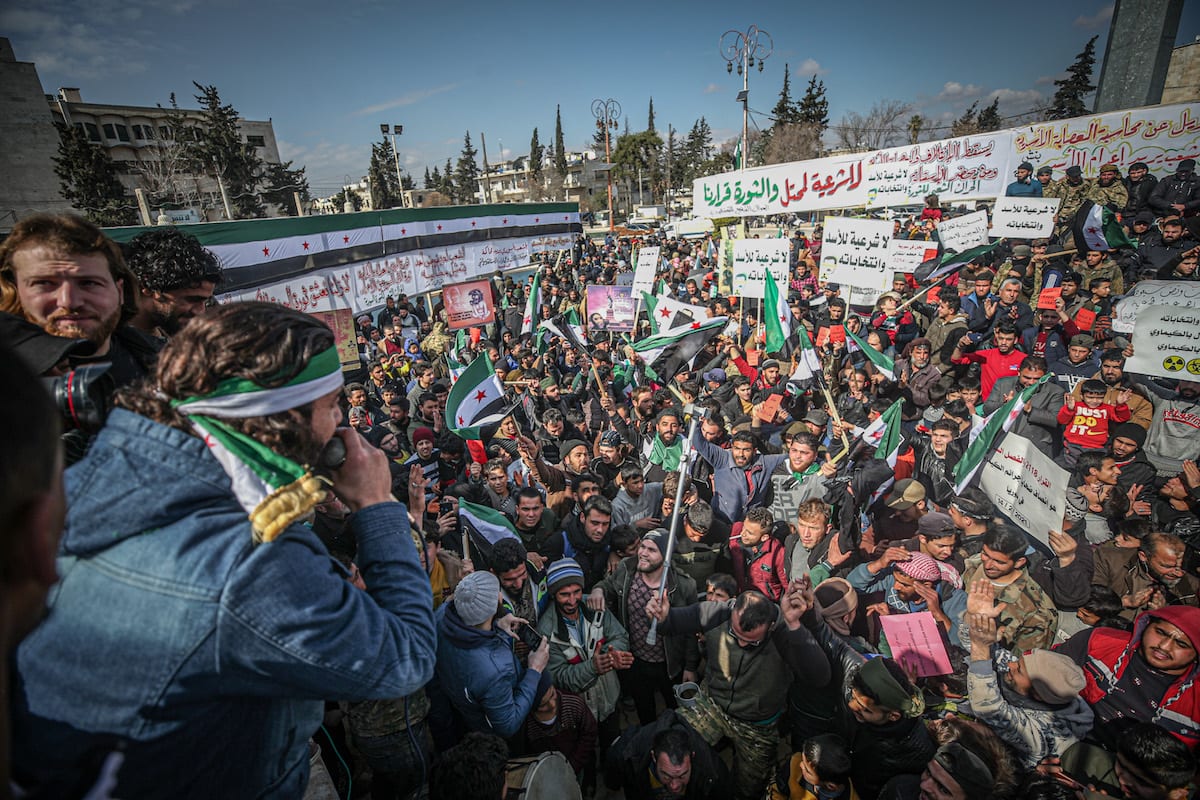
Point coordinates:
pixel 123 133
pixel 143 132
pixel 90 130
pixel 256 141
pixel 110 131
pixel 164 133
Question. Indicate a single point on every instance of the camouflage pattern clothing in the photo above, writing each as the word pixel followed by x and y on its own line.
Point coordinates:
pixel 1030 619
pixel 1105 269
pixel 1072 198
pixel 754 744
pixel 1114 195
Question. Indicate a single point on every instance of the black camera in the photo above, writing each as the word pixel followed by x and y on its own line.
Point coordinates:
pixel 83 396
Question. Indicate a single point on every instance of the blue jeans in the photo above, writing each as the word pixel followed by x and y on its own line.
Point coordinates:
pixel 399 761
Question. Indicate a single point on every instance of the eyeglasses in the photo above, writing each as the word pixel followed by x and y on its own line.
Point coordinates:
pixel 746 642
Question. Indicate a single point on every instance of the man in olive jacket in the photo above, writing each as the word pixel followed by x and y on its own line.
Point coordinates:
pixel 755 650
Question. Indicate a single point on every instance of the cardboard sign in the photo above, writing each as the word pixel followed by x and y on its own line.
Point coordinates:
pixel 1085 318
pixel 1164 293
pixel 1026 486
pixel 963 233
pixel 1166 343
pixel 1048 297
pixel 469 304
pixel 1024 217
pixel 855 253
pixel 341 322
pixel 916 643
pixel 905 255
pixel 751 260
pixel 648 259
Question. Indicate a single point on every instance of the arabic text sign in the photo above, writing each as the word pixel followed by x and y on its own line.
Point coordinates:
pixel 751 260
pixel 1166 343
pixel 855 252
pixel 821 183
pixel 1166 293
pixel 341 322
pixel 647 268
pixel 1024 217
pixel 905 255
pixel 1161 136
pixel 962 168
pixel 469 305
pixel 963 233
pixel 916 643
pixel 1028 487
pixel 610 308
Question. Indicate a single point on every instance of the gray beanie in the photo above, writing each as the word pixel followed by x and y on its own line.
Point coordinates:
pixel 477 597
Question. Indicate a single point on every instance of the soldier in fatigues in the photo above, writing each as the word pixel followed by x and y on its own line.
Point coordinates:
pixel 1109 190
pixel 1029 620
pixel 1073 190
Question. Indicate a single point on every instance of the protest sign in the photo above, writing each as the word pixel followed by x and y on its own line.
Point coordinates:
pixel 1024 217
pixel 905 255
pixel 341 322
pixel 610 308
pixel 647 267
pixel 855 252
pixel 1163 293
pixel 963 233
pixel 751 260
pixel 960 168
pixel 820 183
pixel 1026 486
pixel 1166 343
pixel 916 643
pixel 469 304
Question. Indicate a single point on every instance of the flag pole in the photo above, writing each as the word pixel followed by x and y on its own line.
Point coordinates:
pixel 685 461
pixel 913 299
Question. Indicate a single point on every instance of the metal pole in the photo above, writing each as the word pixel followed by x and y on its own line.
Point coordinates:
pixel 224 197
pixel 685 461
pixel 608 161
pixel 487 184
pixel 399 178
pixel 745 104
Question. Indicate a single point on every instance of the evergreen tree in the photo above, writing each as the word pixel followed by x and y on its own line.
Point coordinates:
pixel 466 176
pixel 1068 99
pixel 989 118
pixel 967 123
pixel 813 108
pixel 434 181
pixel 406 181
pixel 785 111
pixel 428 182
pixel 560 149
pixel 221 151
pixel 536 154
pixel 88 178
pixel 281 182
pixel 447 185
pixel 650 120
pixel 381 174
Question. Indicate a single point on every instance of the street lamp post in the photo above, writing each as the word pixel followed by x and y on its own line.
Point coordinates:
pixel 745 49
pixel 396 131
pixel 607 112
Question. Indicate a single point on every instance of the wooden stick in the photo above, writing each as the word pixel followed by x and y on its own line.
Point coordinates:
pixel 834 414
pixel 842 454
pixel 913 299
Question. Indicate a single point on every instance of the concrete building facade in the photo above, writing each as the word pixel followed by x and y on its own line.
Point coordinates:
pixel 1140 39
pixel 1183 75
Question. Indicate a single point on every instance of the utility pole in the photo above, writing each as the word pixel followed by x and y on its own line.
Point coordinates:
pixel 745 49
pixel 487 184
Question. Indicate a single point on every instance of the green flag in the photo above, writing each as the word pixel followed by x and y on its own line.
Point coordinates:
pixel 982 439
pixel 882 363
pixel 778 315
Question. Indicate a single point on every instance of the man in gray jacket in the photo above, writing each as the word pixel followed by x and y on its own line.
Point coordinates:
pixel 1038 421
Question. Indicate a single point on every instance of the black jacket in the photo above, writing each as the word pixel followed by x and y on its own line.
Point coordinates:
pixel 628 764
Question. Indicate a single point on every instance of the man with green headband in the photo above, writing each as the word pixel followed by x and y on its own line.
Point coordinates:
pixel 198 625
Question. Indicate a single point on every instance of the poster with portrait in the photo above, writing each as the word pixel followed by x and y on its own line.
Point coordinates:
pixel 469 304
pixel 610 308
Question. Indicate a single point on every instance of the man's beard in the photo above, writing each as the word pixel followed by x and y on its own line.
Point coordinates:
pixel 99 335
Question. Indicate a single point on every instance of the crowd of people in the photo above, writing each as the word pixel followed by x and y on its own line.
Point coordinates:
pixel 260 571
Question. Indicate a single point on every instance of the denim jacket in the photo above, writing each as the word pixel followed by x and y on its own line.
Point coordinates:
pixel 205 657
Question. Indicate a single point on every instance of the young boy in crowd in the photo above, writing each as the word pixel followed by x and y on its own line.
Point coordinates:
pixel 819 770
pixel 757 556
pixel 1087 424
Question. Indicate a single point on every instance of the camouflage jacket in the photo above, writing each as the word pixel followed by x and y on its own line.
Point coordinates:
pixel 1115 195
pixel 1072 198
pixel 1107 269
pixel 1030 619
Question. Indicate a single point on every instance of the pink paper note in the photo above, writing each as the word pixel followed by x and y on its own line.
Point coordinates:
pixel 916 643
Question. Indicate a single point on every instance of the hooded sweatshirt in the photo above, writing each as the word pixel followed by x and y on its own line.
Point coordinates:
pixel 1122 684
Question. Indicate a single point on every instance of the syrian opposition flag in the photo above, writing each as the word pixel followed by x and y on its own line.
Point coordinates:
pixel 808 364
pixel 778 316
pixel 982 439
pixel 668 352
pixel 532 305
pixel 949 261
pixel 884 435
pixel 882 363
pixel 485 526
pixel 476 399
pixel 1096 228
pixel 566 327
pixel 665 312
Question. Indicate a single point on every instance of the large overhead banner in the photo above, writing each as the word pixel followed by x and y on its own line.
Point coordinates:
pixel 964 168
pixel 970 166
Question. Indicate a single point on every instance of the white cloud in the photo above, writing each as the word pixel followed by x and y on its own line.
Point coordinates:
pixel 1091 22
pixel 713 88
pixel 411 98
pixel 328 163
pixel 809 67
pixel 953 90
